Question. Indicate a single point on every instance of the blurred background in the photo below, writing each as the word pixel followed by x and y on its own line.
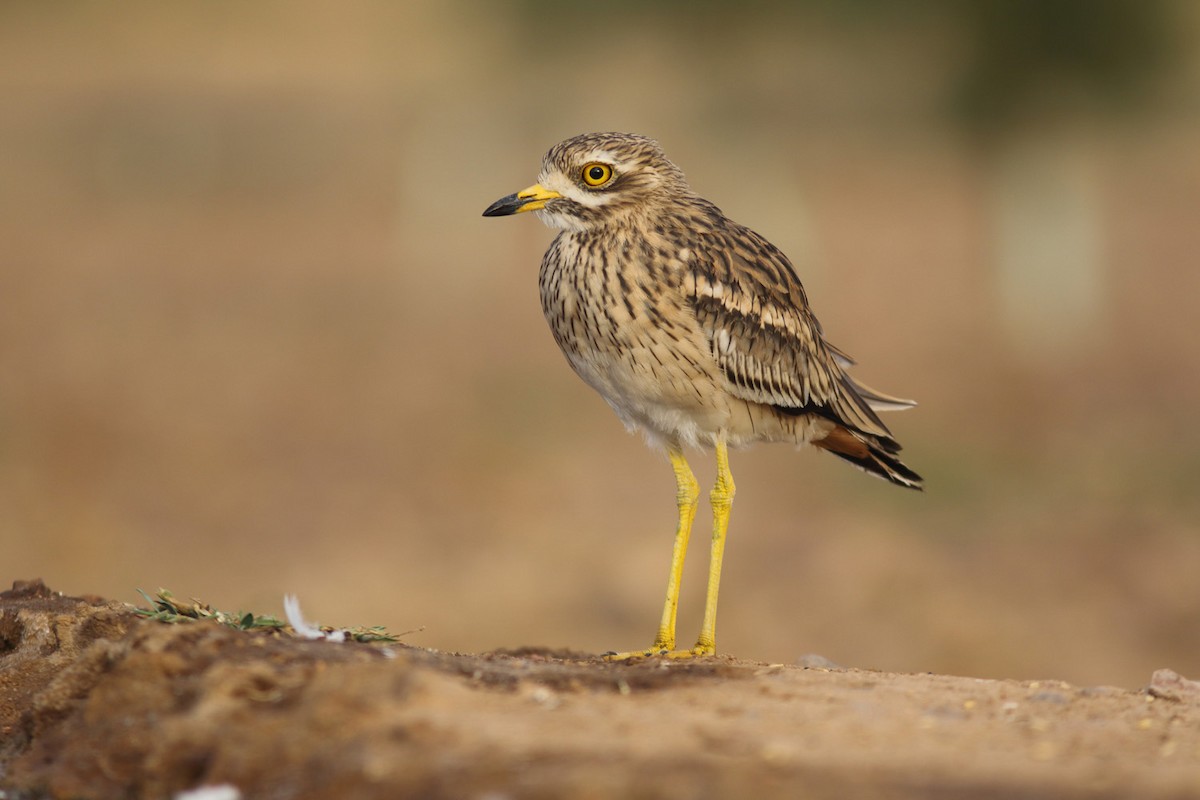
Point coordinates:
pixel 256 338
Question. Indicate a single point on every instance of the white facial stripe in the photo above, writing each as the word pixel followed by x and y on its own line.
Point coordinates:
pixel 558 182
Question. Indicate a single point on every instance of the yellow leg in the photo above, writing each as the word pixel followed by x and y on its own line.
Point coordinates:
pixel 687 493
pixel 722 500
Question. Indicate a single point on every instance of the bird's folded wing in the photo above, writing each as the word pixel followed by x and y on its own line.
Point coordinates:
pixel 752 307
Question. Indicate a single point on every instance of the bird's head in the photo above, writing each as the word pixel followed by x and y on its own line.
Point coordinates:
pixel 596 179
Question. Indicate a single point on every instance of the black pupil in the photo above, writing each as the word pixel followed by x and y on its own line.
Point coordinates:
pixel 596 173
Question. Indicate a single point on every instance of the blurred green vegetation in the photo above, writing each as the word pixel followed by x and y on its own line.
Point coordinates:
pixel 1017 56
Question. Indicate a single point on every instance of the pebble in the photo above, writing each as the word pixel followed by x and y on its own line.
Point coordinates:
pixel 1170 685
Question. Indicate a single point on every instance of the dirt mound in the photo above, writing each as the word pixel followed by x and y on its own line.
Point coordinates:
pixel 96 702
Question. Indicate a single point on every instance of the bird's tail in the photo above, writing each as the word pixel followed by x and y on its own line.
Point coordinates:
pixel 873 454
pixel 877 400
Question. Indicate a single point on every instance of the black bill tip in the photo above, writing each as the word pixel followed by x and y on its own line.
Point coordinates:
pixel 505 206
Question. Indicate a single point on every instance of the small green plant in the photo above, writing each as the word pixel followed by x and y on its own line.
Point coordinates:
pixel 164 607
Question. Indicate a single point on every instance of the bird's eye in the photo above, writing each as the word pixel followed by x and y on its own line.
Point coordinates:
pixel 597 174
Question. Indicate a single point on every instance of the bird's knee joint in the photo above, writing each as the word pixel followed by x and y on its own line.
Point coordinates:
pixel 723 492
pixel 721 497
pixel 687 495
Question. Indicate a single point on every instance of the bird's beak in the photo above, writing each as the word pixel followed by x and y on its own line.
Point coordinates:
pixel 530 199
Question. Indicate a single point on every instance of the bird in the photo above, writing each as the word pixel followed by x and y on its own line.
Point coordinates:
pixel 697 332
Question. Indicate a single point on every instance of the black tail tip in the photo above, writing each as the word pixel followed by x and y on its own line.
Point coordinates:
pixel 884 465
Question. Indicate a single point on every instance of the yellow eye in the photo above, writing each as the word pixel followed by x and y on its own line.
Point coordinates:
pixel 596 174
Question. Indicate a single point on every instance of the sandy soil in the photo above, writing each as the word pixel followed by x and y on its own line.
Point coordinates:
pixel 96 702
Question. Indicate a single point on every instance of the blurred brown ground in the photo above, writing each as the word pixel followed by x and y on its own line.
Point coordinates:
pixel 255 337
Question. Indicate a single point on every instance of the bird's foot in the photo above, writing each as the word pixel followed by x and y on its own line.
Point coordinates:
pixel 663 651
pixel 655 650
